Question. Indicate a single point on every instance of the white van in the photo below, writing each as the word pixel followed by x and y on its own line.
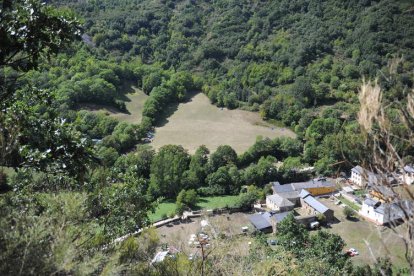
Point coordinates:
pixel 314 225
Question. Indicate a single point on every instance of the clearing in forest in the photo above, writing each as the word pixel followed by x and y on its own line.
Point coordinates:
pixel 134 104
pixel 198 122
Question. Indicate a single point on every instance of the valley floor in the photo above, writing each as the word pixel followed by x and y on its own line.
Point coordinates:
pixel 198 122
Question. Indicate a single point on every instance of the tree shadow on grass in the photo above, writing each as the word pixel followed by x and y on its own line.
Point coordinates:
pixel 168 112
pixel 198 207
pixel 335 221
pixel 126 88
pixel 353 219
pixel 172 108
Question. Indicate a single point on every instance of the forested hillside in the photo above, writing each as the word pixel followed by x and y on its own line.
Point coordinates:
pixel 72 181
pixel 292 61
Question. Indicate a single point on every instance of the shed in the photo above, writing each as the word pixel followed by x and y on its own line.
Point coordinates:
pixel 315 207
pixel 260 222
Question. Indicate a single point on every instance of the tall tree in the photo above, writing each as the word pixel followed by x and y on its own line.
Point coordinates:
pixel 167 170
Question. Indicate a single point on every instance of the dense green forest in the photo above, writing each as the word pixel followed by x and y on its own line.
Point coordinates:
pixel 297 62
pixel 72 181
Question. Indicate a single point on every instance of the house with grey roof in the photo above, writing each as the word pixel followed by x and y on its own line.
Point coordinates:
pixel 386 213
pixel 407 175
pixel 291 191
pixel 261 222
pixel 278 203
pixel 382 193
pixel 363 177
pixel 267 222
pixel 314 206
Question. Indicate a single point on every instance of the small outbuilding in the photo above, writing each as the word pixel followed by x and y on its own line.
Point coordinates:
pixel 315 207
pixel 261 222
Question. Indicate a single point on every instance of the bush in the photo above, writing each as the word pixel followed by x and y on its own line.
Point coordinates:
pixel 187 198
pixel 321 217
pixel 348 212
pixel 179 209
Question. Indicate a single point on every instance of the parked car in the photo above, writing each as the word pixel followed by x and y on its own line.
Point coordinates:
pixel 272 242
pixel 352 252
pixel 314 225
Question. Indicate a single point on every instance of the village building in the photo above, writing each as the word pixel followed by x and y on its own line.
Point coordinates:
pixel 315 207
pixel 291 191
pixel 267 222
pixel 278 203
pixel 261 222
pixel 386 213
pixel 382 193
pixel 407 175
pixel 362 177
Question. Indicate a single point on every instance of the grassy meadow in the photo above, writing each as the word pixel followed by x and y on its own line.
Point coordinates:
pixel 198 122
pixel 168 207
pixel 134 102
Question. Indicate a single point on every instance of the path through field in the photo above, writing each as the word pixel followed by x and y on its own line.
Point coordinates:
pixel 198 122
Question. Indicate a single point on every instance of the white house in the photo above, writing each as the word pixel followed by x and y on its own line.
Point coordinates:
pixel 385 213
pixel 278 203
pixel 362 177
pixel 407 176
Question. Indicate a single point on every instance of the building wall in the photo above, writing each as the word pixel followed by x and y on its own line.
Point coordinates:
pixel 271 205
pixel 357 178
pixel 306 220
pixel 407 178
pixel 329 214
pixel 370 213
pixel 321 190
pixel 274 207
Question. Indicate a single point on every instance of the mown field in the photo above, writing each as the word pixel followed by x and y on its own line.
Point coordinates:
pixel 198 122
pixel 203 203
pixel 134 103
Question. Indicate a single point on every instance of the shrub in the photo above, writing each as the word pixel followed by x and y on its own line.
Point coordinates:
pixel 348 212
pixel 321 217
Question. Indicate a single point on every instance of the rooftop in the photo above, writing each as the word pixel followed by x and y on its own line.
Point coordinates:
pixel 279 188
pixel 314 183
pixel 409 169
pixel 385 191
pixel 298 186
pixel 315 204
pixel 372 202
pixel 304 193
pixel 280 216
pixel 280 201
pixel 259 221
pixel 358 169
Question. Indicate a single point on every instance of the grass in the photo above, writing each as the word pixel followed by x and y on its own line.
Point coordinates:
pixel 360 193
pixel 198 122
pixel 134 104
pixel 349 203
pixel 216 202
pixel 168 207
pixel 163 208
